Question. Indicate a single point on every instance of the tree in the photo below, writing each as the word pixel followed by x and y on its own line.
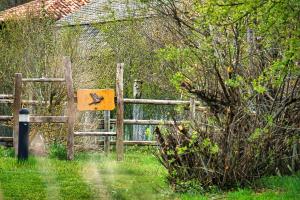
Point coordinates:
pixel 241 59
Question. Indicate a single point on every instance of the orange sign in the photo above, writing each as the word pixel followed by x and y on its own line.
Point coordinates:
pixel 95 99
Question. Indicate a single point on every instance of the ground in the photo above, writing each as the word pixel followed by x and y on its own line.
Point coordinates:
pixel 95 176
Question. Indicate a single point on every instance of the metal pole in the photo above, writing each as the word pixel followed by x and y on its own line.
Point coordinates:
pixel 23 144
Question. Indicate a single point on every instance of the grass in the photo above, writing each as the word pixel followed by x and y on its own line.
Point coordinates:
pixel 94 176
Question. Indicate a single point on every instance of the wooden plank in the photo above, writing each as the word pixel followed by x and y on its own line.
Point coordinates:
pixel 6 139
pixel 6 118
pixel 142 122
pixel 85 100
pixel 155 101
pixel 192 109
pixel 35 102
pixel 107 129
pixel 26 102
pixel 6 101
pixel 43 80
pixel 16 109
pixel 70 108
pixel 158 102
pixel 48 119
pixel 151 122
pixel 139 143
pixel 6 96
pixel 95 134
pixel 120 112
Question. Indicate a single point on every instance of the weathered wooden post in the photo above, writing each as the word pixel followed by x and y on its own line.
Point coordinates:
pixel 192 109
pixel 16 109
pixel 137 112
pixel 106 129
pixel 70 108
pixel 120 112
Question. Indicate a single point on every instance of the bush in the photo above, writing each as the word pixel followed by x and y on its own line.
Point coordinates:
pixel 6 152
pixel 245 69
pixel 203 159
pixel 58 150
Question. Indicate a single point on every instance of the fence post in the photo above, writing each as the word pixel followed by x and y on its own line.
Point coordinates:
pixel 192 109
pixel 120 112
pixel 137 112
pixel 70 108
pixel 16 109
pixel 106 129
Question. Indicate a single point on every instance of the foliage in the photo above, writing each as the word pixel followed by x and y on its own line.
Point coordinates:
pixel 241 59
pixel 58 150
pixel 30 46
pixel 6 152
pixel 130 42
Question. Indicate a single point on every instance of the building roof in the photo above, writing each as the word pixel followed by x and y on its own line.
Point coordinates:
pixel 99 11
pixel 52 8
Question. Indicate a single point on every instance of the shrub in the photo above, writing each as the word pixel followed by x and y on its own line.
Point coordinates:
pixel 58 150
pixel 202 159
pixel 245 69
pixel 6 152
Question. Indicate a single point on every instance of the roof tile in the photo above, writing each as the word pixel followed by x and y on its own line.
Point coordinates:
pixel 53 8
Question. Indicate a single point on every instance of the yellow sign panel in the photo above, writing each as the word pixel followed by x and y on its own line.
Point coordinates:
pixel 95 99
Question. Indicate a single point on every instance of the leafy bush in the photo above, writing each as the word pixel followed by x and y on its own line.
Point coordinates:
pixel 6 152
pixel 204 158
pixel 241 61
pixel 58 150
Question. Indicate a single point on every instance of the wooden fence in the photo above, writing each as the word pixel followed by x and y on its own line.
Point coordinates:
pixel 16 100
pixel 120 121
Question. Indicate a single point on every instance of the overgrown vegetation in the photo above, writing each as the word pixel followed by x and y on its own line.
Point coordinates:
pixel 6 152
pixel 241 59
pixel 94 176
pixel 57 150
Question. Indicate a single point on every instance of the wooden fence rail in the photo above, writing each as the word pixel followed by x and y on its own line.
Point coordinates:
pixel 6 118
pixel 157 102
pixel 140 122
pixel 131 142
pixel 25 102
pixel 6 96
pixel 43 80
pixel 48 119
pixel 6 139
pixel 151 122
pixel 95 133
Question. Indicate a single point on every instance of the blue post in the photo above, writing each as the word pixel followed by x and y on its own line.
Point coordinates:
pixel 23 145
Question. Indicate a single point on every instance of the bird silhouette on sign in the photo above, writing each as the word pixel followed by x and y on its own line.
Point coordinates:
pixel 96 98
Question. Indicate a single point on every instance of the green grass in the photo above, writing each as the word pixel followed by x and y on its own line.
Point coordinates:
pixel 21 180
pixel 94 176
